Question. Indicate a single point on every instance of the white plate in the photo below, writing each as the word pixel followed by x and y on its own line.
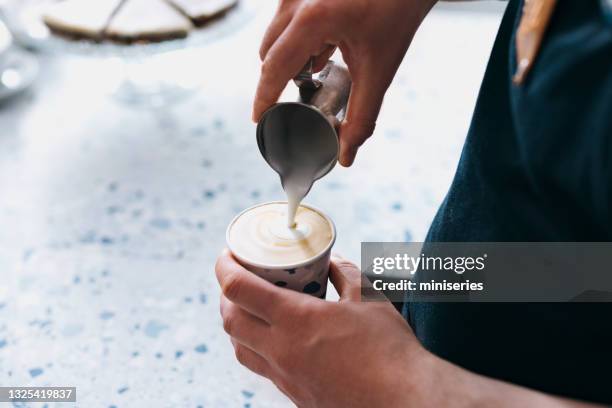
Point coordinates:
pixel 6 39
pixel 24 18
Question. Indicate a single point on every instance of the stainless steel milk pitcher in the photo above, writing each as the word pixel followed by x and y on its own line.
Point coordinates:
pixel 301 137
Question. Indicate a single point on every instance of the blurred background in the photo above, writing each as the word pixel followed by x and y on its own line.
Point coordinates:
pixel 119 172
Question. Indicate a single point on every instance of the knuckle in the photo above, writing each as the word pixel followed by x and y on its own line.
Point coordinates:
pixel 240 354
pixel 229 323
pixel 320 310
pixel 231 287
pixel 301 313
pixel 268 82
pixel 316 11
pixel 344 264
pixel 311 319
pixel 267 67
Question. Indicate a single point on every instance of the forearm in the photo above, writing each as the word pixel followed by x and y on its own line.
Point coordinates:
pixel 455 386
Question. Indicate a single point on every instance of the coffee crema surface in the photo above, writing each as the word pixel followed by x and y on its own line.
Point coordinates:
pixel 261 235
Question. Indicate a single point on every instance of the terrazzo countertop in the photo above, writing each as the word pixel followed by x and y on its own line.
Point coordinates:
pixel 111 216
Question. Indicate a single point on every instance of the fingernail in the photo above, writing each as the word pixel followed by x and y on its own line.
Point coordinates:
pixel 342 155
pixel 346 159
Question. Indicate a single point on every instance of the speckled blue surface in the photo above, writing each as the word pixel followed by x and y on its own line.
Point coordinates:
pixel 111 216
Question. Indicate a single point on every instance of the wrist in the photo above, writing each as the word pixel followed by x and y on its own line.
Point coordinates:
pixel 428 380
pixel 416 380
pixel 423 379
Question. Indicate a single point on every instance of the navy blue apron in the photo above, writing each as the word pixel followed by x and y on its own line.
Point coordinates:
pixel 536 166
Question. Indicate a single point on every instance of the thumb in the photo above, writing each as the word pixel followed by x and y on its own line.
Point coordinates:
pixel 364 104
pixel 346 278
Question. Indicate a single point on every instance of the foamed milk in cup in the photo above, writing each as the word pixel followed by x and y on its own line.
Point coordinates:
pixel 293 257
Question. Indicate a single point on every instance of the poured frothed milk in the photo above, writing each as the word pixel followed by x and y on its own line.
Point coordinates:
pixel 296 187
pixel 260 235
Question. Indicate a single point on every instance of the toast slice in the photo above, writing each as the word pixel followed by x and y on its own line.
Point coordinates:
pixel 147 21
pixel 201 12
pixel 81 19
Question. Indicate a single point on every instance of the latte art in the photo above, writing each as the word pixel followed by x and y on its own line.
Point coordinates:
pixel 261 235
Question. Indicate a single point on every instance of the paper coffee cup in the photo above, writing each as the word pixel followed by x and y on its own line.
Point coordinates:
pixel 307 275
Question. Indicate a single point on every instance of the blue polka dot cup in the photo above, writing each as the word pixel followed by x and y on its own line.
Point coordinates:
pixel 308 276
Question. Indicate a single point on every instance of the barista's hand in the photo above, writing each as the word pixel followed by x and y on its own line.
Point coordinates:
pixel 319 353
pixel 373 36
pixel 349 353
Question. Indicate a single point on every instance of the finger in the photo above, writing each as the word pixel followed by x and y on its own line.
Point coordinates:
pixel 281 20
pixel 249 291
pixel 322 59
pixel 251 360
pixel 243 326
pixel 285 59
pixel 346 278
pixel 364 105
